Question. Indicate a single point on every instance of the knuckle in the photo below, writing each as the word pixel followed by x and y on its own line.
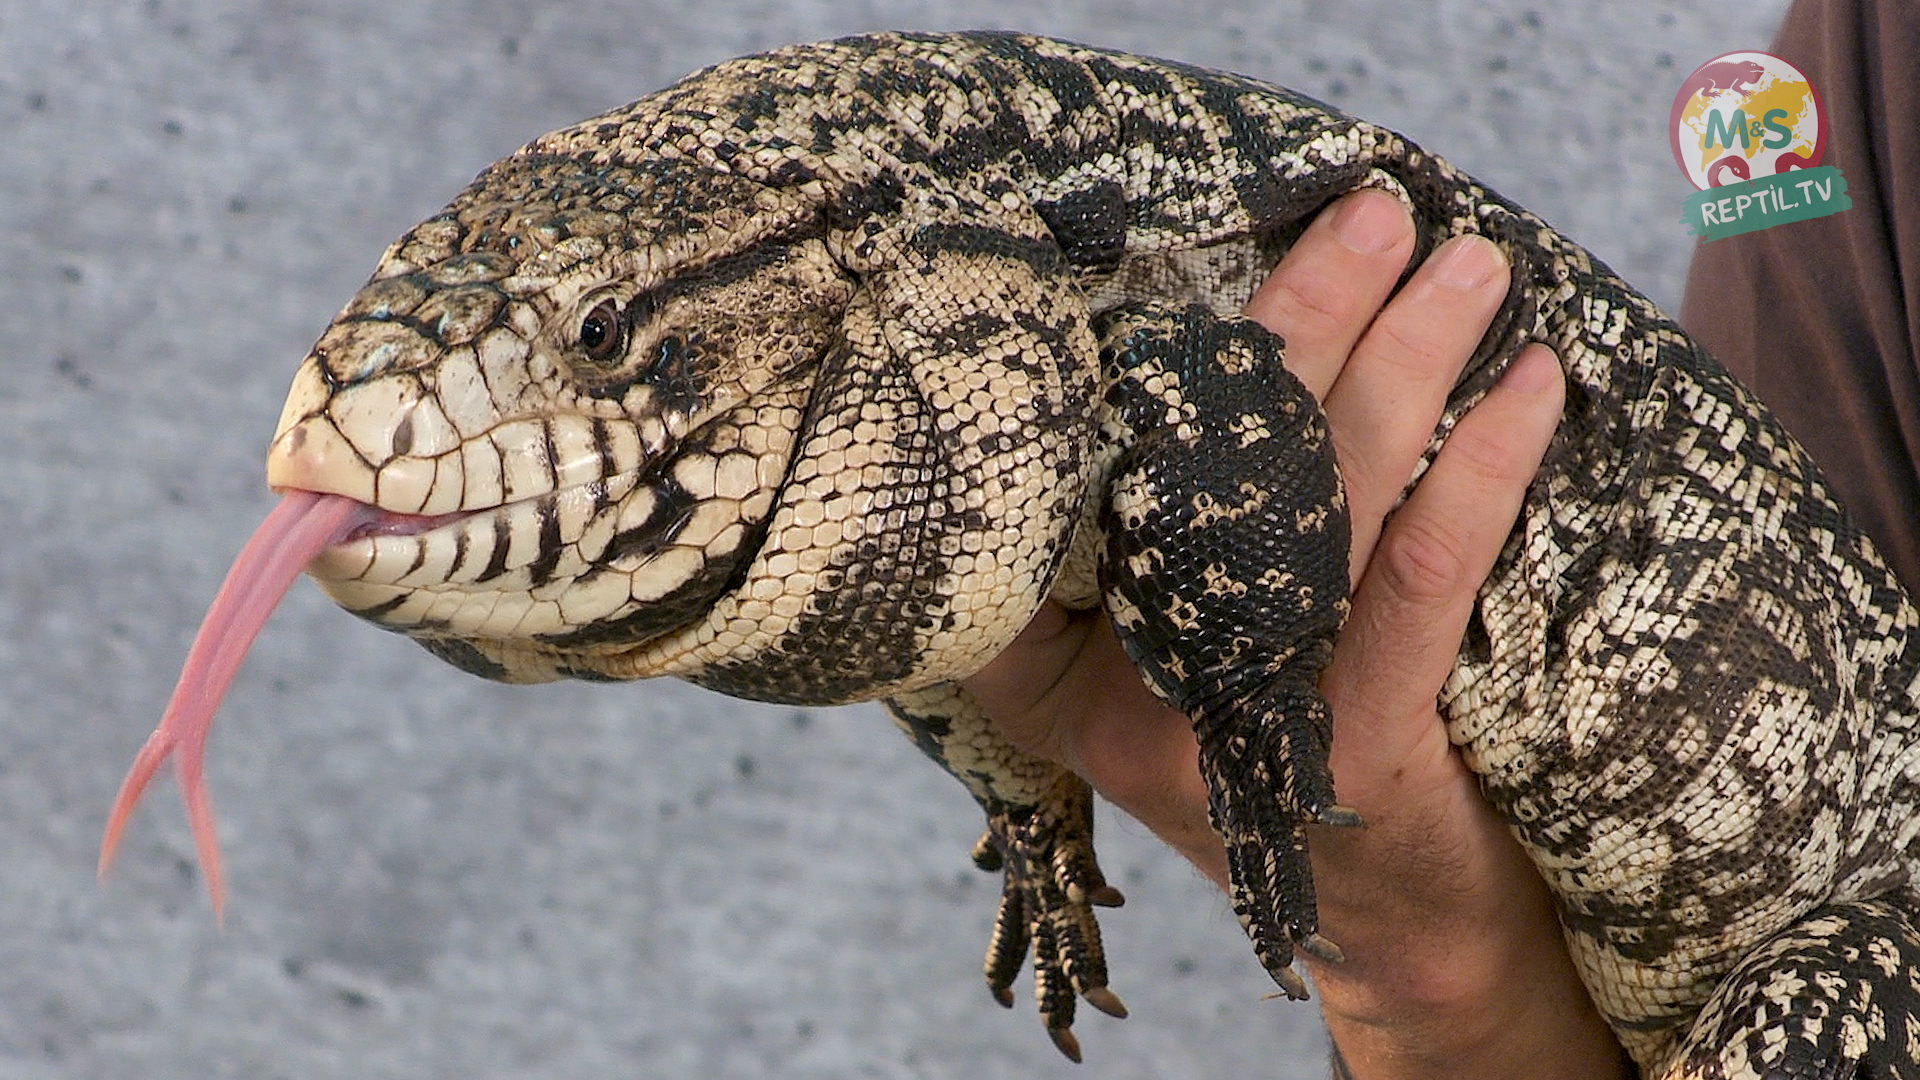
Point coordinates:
pixel 1370 488
pixel 1423 563
pixel 1311 304
pixel 1486 451
pixel 1357 471
pixel 1402 347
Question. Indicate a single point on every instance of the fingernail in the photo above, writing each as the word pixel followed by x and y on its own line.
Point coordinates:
pixel 1467 262
pixel 1369 223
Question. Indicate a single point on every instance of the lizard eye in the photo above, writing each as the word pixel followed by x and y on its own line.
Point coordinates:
pixel 603 333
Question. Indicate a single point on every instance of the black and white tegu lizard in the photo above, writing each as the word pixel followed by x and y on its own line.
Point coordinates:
pixel 810 377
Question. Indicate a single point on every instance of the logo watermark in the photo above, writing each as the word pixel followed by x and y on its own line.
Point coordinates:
pixel 1749 131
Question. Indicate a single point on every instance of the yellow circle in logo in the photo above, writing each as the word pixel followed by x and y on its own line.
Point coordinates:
pixel 1745 115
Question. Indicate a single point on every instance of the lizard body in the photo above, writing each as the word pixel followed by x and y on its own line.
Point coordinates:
pixel 810 377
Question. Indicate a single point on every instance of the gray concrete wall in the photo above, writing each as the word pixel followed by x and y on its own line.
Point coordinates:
pixel 436 877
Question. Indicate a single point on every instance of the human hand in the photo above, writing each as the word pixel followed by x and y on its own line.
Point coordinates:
pixel 1455 961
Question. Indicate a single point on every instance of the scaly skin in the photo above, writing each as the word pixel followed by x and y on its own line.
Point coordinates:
pixel 810 377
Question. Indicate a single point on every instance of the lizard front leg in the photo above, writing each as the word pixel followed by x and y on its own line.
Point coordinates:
pixel 1040 833
pixel 1225 571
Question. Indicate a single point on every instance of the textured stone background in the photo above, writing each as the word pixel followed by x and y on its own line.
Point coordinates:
pixel 435 877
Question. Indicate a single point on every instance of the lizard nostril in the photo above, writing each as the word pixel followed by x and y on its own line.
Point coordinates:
pixel 403 436
pixel 358 350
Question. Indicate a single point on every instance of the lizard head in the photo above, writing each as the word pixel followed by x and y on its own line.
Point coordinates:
pixel 658 396
pixel 568 400
pixel 547 429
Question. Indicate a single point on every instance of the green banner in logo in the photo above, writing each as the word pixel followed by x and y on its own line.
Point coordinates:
pixel 1796 195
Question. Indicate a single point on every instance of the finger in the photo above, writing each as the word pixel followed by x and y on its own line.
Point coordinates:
pixel 1332 282
pixel 1411 608
pixel 1389 396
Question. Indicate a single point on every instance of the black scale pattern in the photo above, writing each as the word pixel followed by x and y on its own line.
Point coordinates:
pixel 969 371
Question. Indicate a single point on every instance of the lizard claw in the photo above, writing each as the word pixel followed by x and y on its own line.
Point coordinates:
pixel 1344 817
pixel 1064 1039
pixel 1292 986
pixel 1321 949
pixel 1106 1001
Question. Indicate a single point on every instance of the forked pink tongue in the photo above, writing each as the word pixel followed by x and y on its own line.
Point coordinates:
pixel 304 524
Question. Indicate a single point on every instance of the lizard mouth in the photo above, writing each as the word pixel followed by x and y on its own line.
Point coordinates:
pixel 393 567
pixel 380 522
pixel 319 532
pixel 591 547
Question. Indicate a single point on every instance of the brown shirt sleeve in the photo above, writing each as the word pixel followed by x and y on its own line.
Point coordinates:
pixel 1822 318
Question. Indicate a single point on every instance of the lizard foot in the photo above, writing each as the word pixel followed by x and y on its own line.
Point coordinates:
pixel 1266 770
pixel 1052 885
